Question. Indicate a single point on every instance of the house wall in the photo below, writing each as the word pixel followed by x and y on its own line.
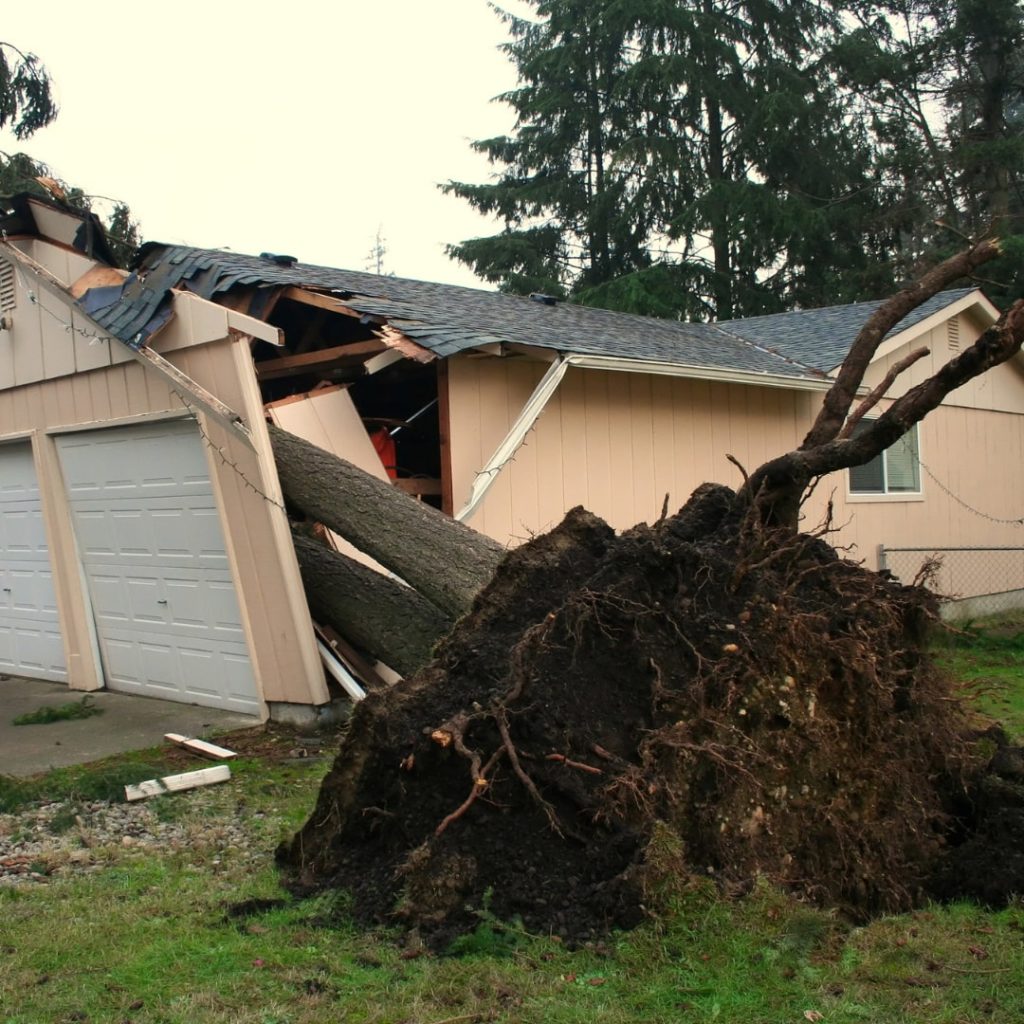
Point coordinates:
pixel 614 442
pixel 618 442
pixel 119 390
pixel 970 450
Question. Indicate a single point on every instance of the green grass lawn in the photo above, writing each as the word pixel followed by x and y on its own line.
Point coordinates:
pixel 149 939
pixel 987 656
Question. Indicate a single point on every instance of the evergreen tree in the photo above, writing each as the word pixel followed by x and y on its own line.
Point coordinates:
pixel 942 84
pixel 679 158
pixel 26 97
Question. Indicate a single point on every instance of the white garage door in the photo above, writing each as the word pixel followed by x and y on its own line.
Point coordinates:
pixel 30 641
pixel 150 540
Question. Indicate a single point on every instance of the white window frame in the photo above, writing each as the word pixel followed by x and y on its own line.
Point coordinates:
pixel 885 494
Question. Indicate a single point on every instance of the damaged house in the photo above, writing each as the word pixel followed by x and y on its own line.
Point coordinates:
pixel 145 544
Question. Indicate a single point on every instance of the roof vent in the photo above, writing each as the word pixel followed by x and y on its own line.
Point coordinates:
pixel 953 333
pixel 544 300
pixel 281 261
pixel 8 296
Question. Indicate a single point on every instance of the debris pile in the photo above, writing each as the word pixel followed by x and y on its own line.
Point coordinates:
pixel 619 713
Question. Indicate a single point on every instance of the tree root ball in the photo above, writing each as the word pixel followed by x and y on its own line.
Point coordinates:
pixel 618 714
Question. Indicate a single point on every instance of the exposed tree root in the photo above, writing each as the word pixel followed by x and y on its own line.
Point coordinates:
pixel 757 708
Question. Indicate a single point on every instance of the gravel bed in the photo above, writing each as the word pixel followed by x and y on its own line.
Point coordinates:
pixel 62 838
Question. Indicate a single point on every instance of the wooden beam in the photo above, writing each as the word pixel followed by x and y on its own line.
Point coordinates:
pixel 201 747
pixel 324 301
pixel 176 783
pixel 444 421
pixel 322 359
pixel 417 486
pixel 359 666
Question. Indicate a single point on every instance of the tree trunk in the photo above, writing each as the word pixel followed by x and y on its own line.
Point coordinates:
pixel 388 621
pixel 444 560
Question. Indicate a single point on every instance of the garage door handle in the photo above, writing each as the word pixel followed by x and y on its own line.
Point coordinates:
pixel 7 590
pixel 161 602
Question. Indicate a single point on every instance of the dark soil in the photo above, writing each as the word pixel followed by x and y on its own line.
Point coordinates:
pixel 619 714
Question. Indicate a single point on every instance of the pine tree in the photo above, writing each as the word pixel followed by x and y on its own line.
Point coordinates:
pixel 26 96
pixel 942 85
pixel 690 159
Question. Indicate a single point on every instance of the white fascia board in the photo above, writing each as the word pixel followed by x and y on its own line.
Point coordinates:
pixel 976 298
pixel 534 406
pixel 764 380
pixel 548 384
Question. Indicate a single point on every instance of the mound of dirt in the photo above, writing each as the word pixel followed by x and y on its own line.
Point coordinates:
pixel 620 712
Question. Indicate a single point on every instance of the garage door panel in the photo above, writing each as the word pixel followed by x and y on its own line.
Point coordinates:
pixel 212 675
pixel 189 606
pixel 22 534
pixel 166 537
pixel 150 538
pixel 30 639
pixel 33 651
pixel 27 590
pixel 136 461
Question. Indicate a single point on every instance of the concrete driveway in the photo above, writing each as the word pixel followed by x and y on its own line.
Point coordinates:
pixel 127 723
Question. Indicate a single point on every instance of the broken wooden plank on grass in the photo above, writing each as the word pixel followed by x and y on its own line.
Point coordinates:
pixel 177 783
pixel 201 747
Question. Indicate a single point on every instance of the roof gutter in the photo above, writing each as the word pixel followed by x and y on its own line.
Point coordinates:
pixel 548 385
pixel 764 380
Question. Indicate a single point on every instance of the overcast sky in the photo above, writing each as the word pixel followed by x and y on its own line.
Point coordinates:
pixel 295 128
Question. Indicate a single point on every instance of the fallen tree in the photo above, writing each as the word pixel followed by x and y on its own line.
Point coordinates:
pixel 716 694
pixel 446 561
pixel 390 622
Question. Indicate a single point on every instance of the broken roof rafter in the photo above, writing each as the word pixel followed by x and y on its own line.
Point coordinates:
pixel 320 360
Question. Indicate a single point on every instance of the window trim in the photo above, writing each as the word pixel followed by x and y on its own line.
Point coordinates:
pixel 863 497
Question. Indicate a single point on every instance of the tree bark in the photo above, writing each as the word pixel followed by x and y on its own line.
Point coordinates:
pixel 444 560
pixel 390 622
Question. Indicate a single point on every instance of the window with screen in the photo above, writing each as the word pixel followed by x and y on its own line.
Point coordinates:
pixel 896 471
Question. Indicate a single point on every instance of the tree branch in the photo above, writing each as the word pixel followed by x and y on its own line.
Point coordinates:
pixel 840 396
pixel 775 488
pixel 879 392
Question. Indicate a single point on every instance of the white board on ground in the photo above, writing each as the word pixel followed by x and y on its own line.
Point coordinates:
pixel 177 783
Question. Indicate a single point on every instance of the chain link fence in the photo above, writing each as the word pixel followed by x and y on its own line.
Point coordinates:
pixel 973 582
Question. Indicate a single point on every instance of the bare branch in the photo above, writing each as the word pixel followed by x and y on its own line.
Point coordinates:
pixel 840 396
pixel 775 488
pixel 879 392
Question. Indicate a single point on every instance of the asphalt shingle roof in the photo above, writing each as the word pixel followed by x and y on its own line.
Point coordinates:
pixel 822 337
pixel 447 319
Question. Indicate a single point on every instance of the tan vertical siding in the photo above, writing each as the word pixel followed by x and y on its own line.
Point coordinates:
pixel 614 442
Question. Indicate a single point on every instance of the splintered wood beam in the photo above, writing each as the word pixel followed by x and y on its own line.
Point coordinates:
pixel 323 301
pixel 322 359
pixel 194 394
pixel 398 341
